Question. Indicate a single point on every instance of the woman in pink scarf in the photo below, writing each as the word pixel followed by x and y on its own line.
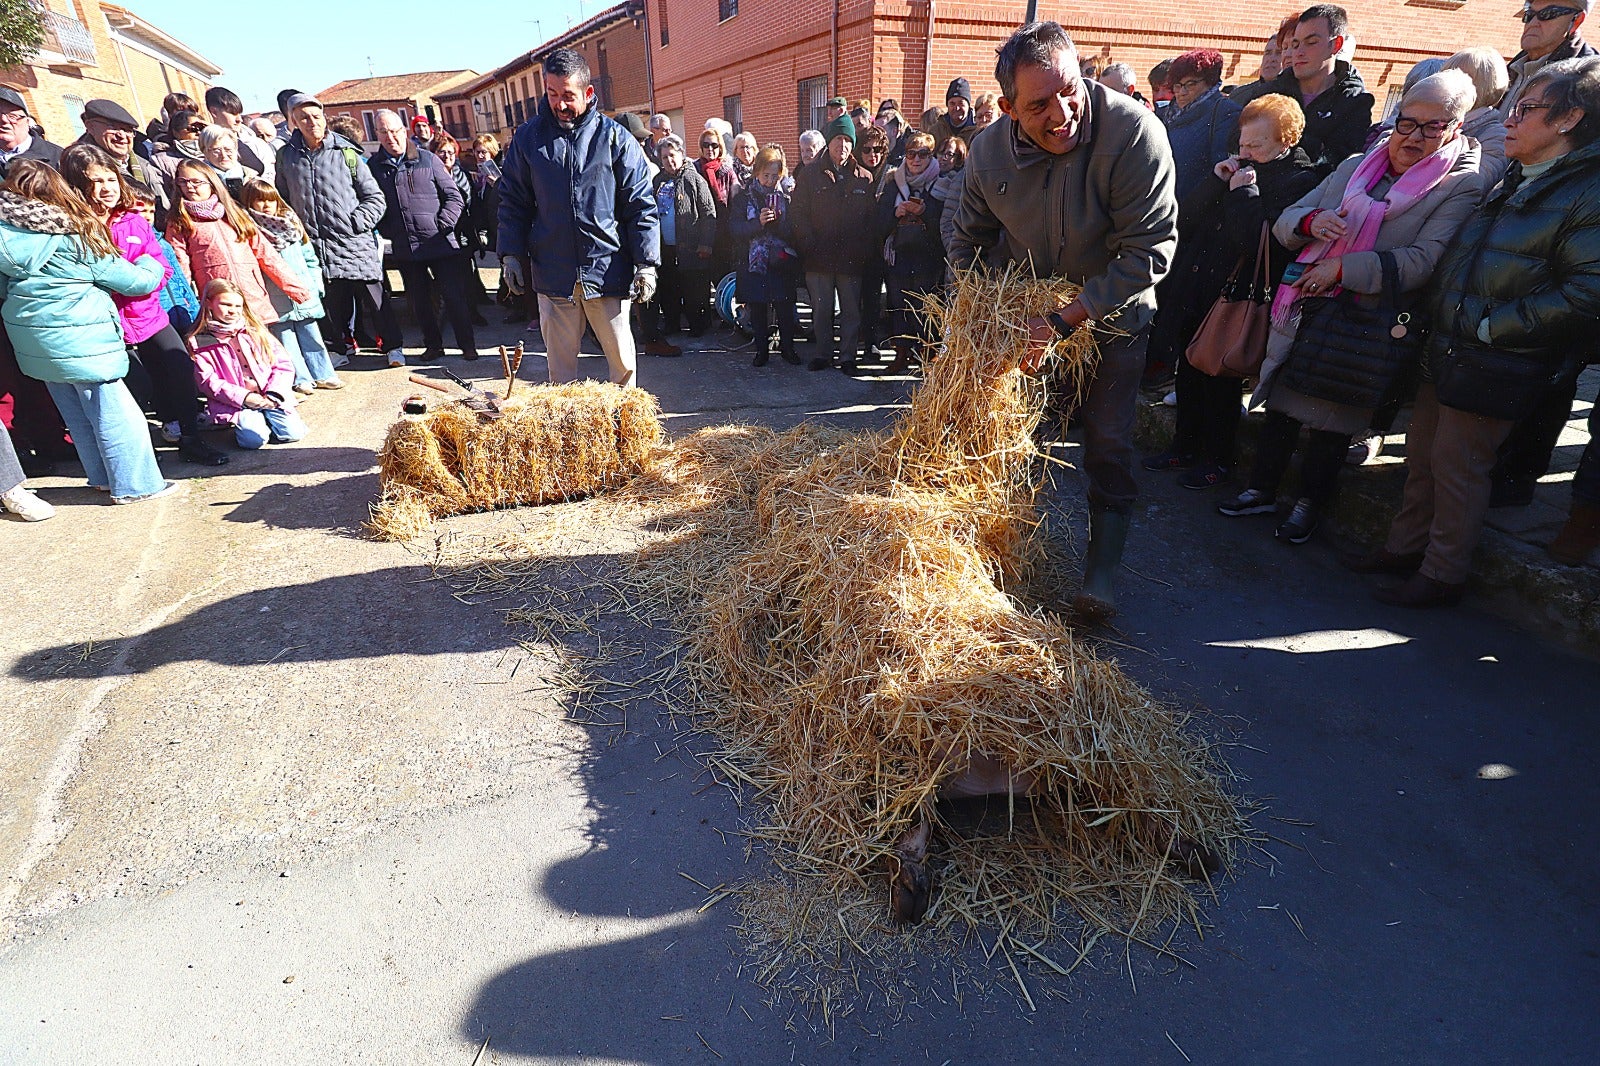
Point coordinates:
pixel 1404 199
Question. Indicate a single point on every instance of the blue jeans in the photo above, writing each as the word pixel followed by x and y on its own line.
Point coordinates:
pixel 303 341
pixel 252 429
pixel 111 435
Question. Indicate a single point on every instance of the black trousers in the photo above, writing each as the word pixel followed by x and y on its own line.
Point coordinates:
pixel 788 326
pixel 451 277
pixel 1208 414
pixel 343 297
pixel 872 279
pixel 667 307
pixel 173 391
pixel 1525 455
pixel 1319 467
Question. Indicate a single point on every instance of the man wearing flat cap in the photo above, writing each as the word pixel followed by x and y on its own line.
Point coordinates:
pixel 16 134
pixel 108 125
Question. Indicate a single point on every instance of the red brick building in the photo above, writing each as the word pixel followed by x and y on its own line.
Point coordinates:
pixel 612 42
pixel 770 65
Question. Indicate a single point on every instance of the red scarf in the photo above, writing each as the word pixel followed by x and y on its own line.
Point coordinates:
pixel 720 179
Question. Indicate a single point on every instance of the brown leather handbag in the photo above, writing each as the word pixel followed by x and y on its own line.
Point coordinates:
pixel 1232 341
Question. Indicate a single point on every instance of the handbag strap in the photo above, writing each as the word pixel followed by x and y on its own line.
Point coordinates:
pixel 1261 280
pixel 1391 276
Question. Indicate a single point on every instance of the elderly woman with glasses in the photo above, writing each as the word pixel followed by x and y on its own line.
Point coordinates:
pixel 952 157
pixel 717 170
pixel 1513 309
pixel 1202 120
pixel 220 146
pixel 908 222
pixel 1370 234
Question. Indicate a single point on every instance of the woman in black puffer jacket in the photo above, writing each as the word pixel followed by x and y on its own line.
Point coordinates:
pixel 1515 298
pixel 1219 230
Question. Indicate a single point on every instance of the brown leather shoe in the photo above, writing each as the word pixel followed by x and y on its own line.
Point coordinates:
pixel 661 348
pixel 1579 537
pixel 1421 591
pixel 1383 561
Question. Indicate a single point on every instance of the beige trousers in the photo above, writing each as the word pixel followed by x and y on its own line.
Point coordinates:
pixel 561 322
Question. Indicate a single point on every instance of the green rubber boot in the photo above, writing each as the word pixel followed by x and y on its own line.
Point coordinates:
pixel 1108 532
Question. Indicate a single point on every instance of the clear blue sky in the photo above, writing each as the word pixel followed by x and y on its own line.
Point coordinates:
pixel 311 44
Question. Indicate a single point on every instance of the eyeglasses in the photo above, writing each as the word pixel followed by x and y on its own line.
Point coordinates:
pixel 1431 131
pixel 1548 14
pixel 13 118
pixel 920 153
pixel 947 155
pixel 1188 84
pixel 1520 111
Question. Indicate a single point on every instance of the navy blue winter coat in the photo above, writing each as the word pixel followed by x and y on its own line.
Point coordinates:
pixel 578 205
pixel 1200 135
pixel 424 204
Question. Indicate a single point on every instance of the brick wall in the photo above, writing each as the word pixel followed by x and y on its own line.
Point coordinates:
pixel 884 50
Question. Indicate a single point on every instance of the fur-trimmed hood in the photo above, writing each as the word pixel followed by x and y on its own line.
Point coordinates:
pixel 35 216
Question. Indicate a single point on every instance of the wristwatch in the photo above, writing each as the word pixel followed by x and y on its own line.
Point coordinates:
pixel 1058 324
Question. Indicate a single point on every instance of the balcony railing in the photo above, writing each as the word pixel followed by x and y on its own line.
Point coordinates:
pixel 67 36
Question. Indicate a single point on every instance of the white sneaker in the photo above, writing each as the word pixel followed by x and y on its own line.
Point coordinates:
pixel 171 488
pixel 20 501
pixel 305 388
pixel 397 357
pixel 171 432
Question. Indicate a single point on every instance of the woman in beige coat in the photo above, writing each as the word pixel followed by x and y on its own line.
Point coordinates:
pixel 1402 201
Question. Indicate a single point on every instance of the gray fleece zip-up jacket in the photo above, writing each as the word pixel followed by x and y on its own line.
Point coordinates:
pixel 339 202
pixel 1103 215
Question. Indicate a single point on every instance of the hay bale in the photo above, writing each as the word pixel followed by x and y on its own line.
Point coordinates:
pixel 856 649
pixel 553 443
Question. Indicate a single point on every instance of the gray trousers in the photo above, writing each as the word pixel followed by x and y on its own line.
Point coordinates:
pixel 562 320
pixel 823 288
pixel 1449 455
pixel 11 474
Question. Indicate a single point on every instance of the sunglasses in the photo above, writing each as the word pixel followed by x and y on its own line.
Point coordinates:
pixel 872 150
pixel 711 144
pixel 196 127
pixel 1548 14
pixel 920 153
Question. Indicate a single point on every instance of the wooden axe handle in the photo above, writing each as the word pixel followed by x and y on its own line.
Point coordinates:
pixel 418 380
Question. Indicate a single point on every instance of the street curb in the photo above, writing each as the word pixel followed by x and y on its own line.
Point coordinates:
pixel 1512 577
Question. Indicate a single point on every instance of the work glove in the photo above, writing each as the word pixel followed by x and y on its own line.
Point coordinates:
pixel 514 272
pixel 644 284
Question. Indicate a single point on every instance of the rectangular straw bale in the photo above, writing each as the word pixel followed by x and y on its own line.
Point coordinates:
pixel 553 443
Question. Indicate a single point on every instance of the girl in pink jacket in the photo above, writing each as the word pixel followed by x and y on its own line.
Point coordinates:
pixel 215 238
pixel 152 342
pixel 244 372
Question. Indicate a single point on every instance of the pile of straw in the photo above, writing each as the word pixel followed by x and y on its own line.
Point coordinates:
pixel 857 649
pixel 553 443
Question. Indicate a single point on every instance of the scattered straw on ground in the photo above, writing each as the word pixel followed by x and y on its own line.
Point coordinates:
pixel 554 442
pixel 854 644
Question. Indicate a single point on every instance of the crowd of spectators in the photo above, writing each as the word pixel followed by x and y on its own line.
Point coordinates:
pixel 242 262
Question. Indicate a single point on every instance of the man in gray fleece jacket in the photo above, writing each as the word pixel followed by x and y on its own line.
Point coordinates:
pixel 1077 182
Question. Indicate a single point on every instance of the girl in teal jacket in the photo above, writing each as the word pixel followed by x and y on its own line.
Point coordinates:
pixel 58 269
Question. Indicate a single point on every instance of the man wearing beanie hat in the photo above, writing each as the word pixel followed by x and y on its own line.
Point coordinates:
pixel 835 216
pixel 957 119
pixel 1076 182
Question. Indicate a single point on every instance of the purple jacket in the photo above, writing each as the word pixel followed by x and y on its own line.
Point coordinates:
pixel 424 204
pixel 142 316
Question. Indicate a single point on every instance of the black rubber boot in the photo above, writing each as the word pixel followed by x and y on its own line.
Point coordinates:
pixel 1108 532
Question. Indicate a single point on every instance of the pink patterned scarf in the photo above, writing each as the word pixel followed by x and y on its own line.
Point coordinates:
pixel 1364 216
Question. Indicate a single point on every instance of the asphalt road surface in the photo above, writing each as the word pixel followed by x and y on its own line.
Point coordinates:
pixel 276 795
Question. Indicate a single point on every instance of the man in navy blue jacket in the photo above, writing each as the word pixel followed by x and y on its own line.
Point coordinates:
pixel 578 221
